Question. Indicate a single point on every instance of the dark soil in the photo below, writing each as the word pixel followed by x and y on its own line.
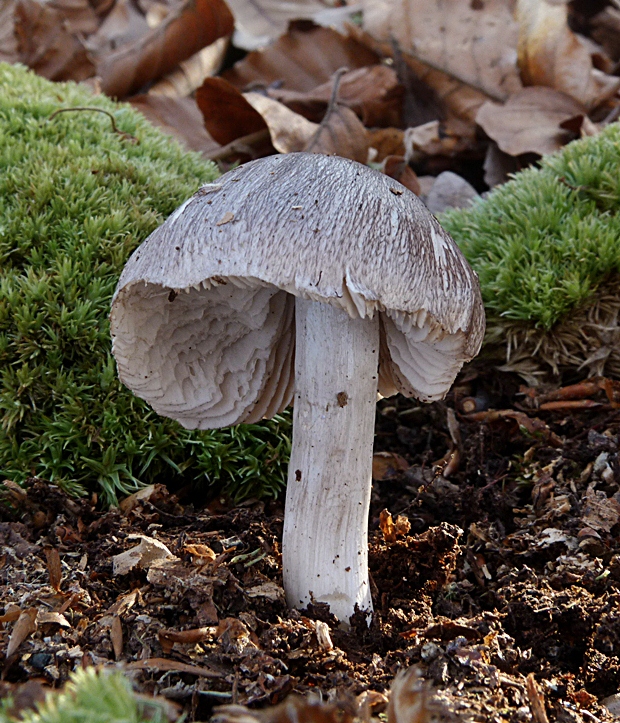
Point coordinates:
pixel 499 558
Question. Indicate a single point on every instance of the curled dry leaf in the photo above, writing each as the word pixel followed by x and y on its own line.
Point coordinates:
pixel 289 131
pixel 53 567
pixel 410 698
pixel 188 27
pixel 438 139
pixel 550 54
pixel 190 74
pixel 600 512
pixel 341 133
pixel 227 114
pixel 374 93
pixel 530 121
pixel 164 664
pixel 168 638
pixel 143 555
pixel 26 625
pixel 386 142
pixel 293 61
pixel 474 43
pixel 269 590
pixel 116 636
pixel 387 464
pixel 261 21
pixel 181 118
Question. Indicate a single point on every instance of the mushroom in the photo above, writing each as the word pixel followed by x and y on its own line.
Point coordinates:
pixel 304 275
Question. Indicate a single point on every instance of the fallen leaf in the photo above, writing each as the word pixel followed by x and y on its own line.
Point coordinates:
pixel 143 555
pixel 498 166
pixel 323 635
pixel 188 27
pixel 9 52
pixel 164 665
pixel 289 131
pixel 341 133
pixel 116 636
pixel 181 118
pixel 261 21
pixel 123 603
pixel 386 142
pixel 293 61
pixel 387 464
pixel 396 167
pixel 190 74
pixel 53 567
pixel 529 121
pixel 473 43
pixel 227 114
pixel 450 191
pixel 168 638
pixel 46 44
pixel 550 54
pixel 26 625
pixel 599 512
pixel 438 138
pixel 409 698
pixel 536 700
pixel 373 93
pixel 53 618
pixel 269 590
pixel 202 552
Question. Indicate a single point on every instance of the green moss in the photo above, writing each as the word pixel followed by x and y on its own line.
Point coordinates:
pixel 75 199
pixel 545 242
pixel 91 697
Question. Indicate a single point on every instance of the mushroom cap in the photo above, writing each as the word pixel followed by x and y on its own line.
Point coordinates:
pixel 202 319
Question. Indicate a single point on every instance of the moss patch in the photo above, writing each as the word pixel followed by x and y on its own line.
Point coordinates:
pixel 76 198
pixel 546 246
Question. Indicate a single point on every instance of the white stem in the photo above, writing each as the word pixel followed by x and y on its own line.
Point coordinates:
pixel 325 544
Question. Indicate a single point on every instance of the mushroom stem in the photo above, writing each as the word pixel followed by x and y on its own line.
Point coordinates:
pixel 325 543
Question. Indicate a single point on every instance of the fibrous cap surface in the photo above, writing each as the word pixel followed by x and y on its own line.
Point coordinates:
pixel 305 225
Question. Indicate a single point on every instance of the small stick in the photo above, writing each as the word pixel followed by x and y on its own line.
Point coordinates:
pixel 333 101
pixel 115 128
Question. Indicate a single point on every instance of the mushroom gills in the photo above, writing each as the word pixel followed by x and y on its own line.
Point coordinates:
pixel 211 357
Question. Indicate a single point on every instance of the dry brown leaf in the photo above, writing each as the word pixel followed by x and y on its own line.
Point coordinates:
pixel 386 142
pixel 396 167
pixel 438 139
pixel 26 625
pixel 498 166
pixel 341 133
pixel 529 121
pixel 536 700
pixel 191 73
pixel 163 665
pixel 374 93
pixel 293 60
pixel 116 636
pixel 78 15
pixel 46 45
pixel 409 698
pixel 54 567
pixel 8 42
pixel 203 552
pixel 289 131
pixel 53 618
pixel 168 638
pixel 143 555
pixel 188 27
pixel 269 590
pixel 125 24
pixel 550 54
pixel 599 512
pixel 181 118
pixel 472 42
pixel 261 21
pixel 226 112
pixel 387 464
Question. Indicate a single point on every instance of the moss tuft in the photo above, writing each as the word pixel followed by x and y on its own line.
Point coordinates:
pixel 546 246
pixel 76 198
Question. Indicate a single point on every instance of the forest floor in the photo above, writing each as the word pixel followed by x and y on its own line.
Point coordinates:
pixel 494 554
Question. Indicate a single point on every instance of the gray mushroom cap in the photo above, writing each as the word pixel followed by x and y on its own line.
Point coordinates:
pixel 202 319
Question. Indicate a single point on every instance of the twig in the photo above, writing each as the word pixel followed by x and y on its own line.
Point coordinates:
pixel 333 101
pixel 115 128
pixel 245 144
